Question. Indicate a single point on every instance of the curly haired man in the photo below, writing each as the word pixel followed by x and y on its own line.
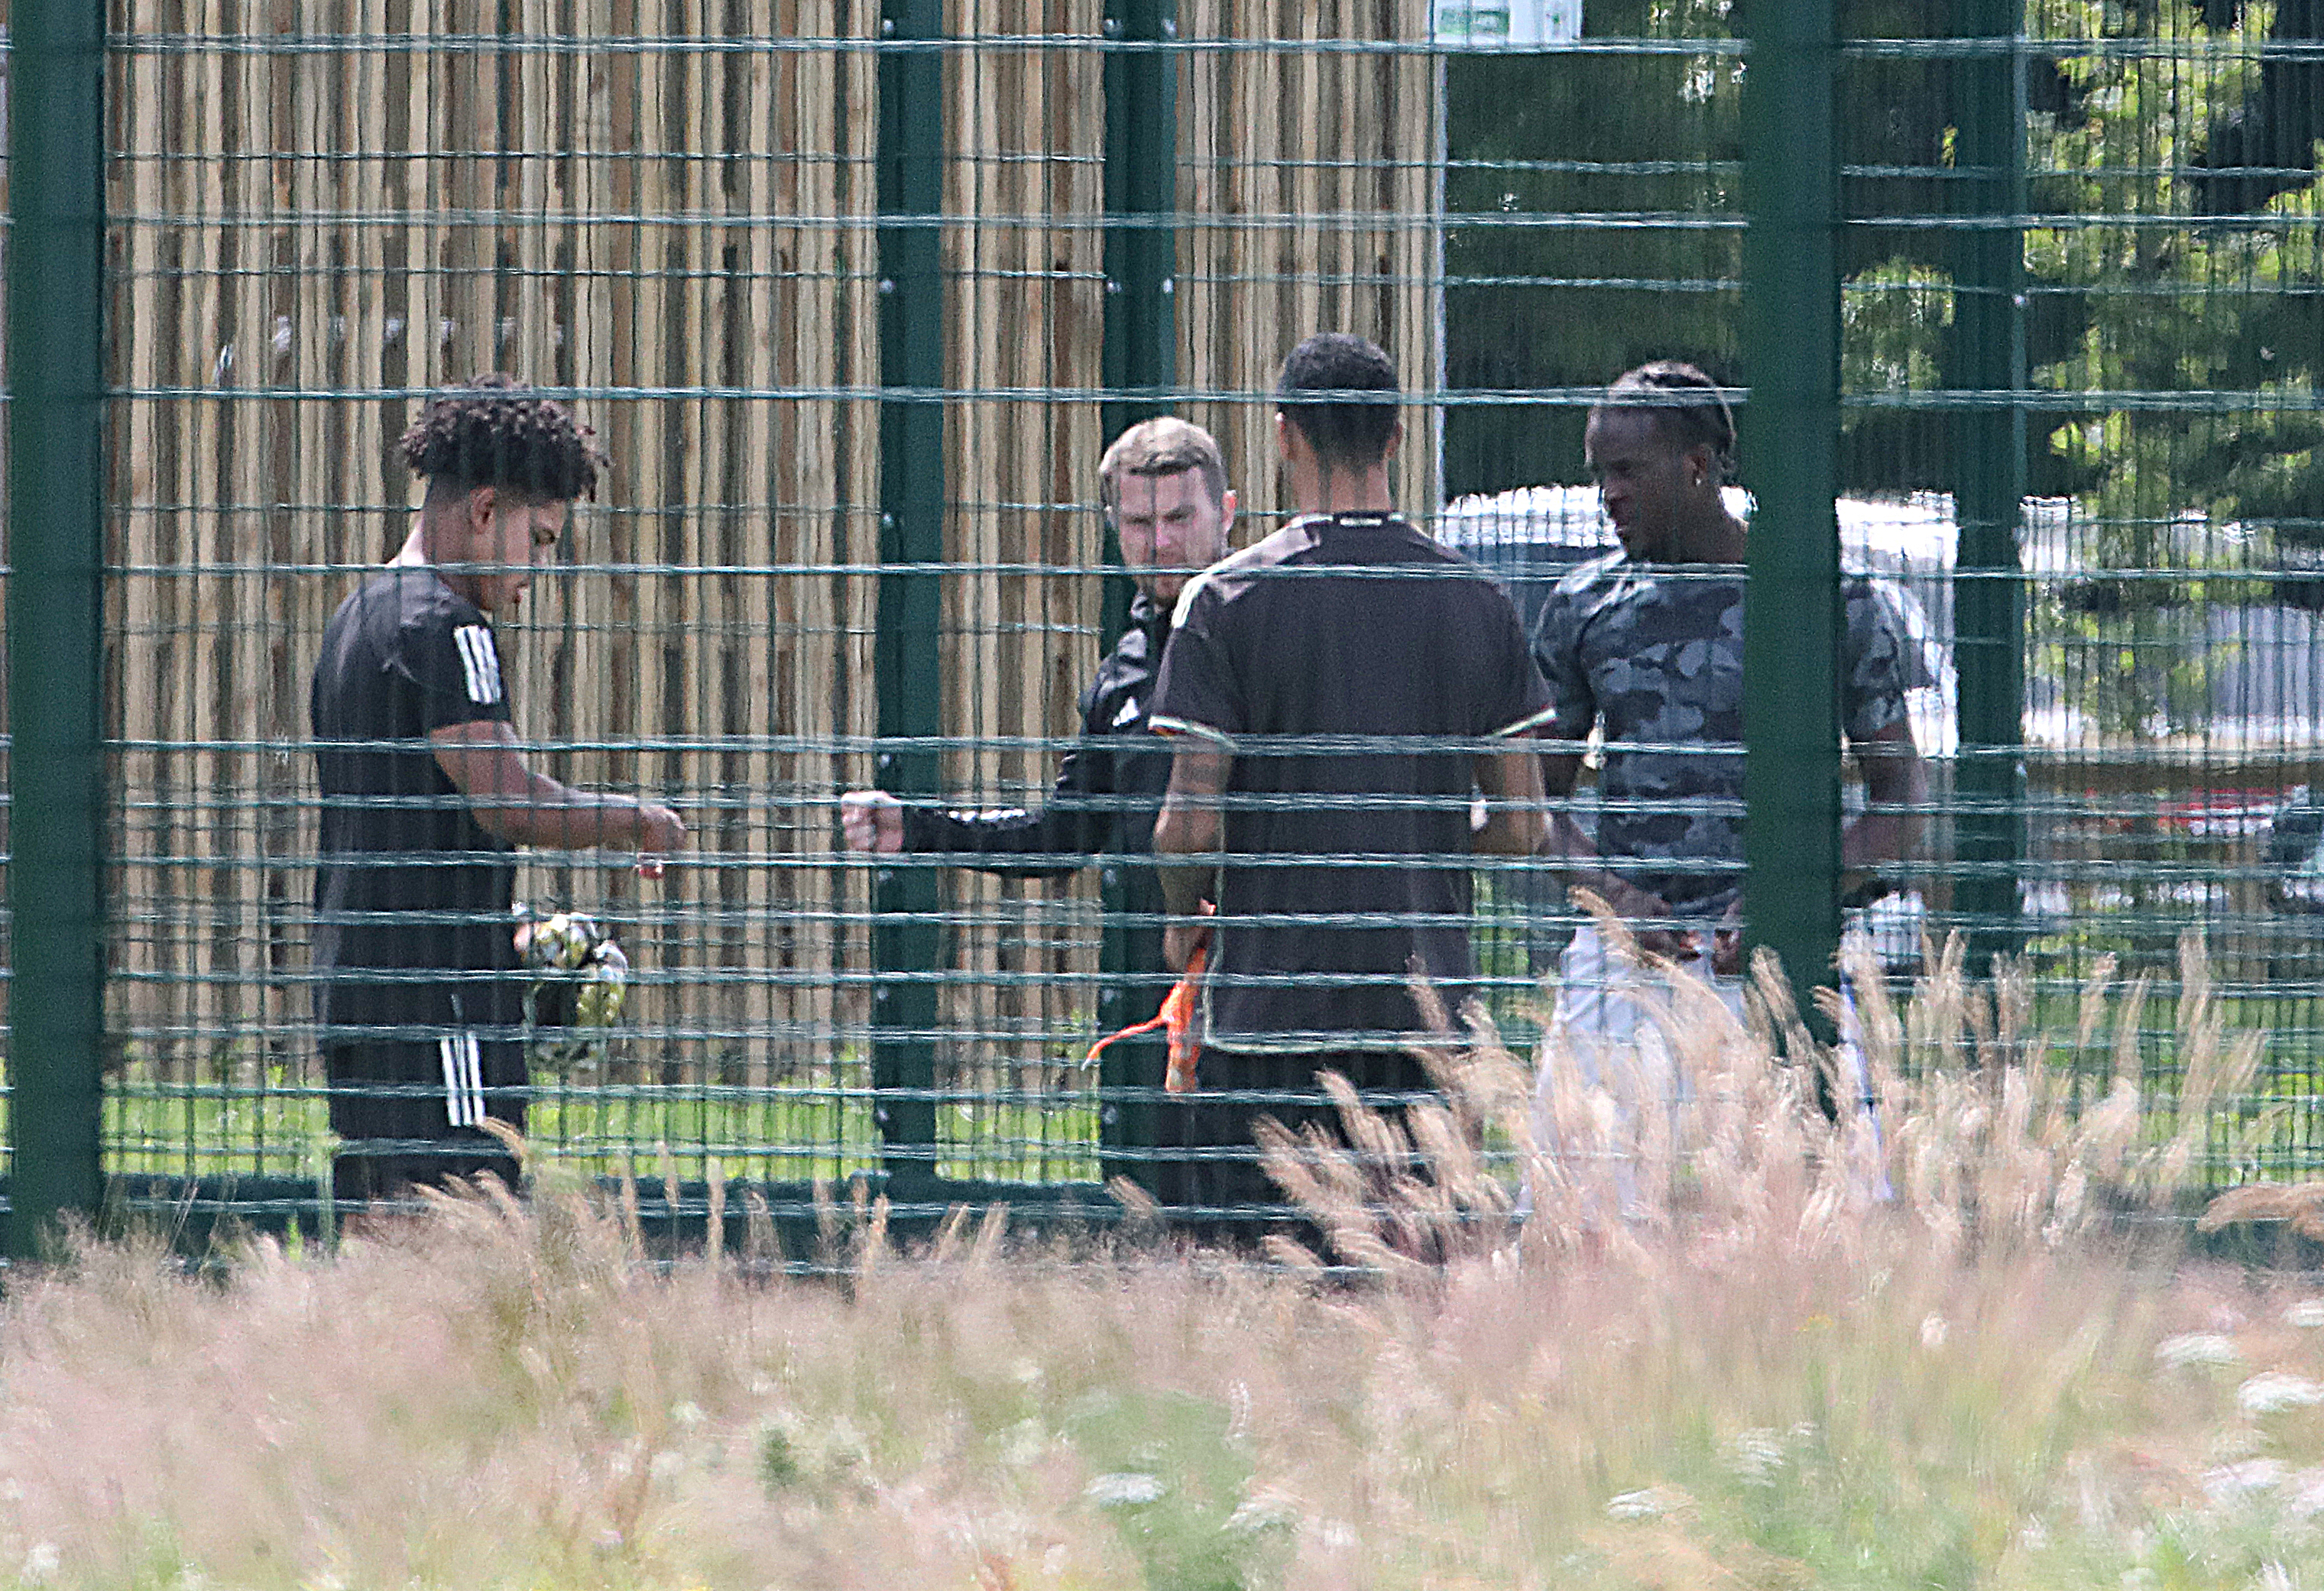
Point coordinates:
pixel 426 794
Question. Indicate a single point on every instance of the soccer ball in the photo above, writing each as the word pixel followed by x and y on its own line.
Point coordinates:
pixel 560 943
pixel 579 993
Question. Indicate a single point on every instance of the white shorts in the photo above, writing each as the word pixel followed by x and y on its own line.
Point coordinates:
pixel 1604 1028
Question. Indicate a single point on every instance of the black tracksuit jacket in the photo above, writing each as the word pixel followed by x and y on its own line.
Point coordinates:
pixel 1108 793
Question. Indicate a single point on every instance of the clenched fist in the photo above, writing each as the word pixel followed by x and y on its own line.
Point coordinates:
pixel 871 820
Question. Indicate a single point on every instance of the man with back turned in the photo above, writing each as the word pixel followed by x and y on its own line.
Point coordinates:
pixel 1338 693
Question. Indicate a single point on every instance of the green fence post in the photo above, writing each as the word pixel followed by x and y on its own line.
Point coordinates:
pixel 906 945
pixel 1790 445
pixel 1141 240
pixel 1140 366
pixel 1987 356
pixel 56 529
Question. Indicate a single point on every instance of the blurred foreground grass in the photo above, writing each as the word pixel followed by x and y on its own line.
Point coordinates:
pixel 1765 1373
pixel 496 1395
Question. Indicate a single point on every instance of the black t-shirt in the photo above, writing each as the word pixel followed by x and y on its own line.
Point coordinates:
pixel 1355 625
pixel 407 882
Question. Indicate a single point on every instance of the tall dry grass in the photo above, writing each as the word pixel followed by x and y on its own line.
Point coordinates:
pixel 1977 1132
pixel 1769 1378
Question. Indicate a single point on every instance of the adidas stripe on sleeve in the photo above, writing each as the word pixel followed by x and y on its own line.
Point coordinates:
pixel 481 661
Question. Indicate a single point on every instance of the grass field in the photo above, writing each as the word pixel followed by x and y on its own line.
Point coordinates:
pixel 1764 1374
pixel 276 1127
pixel 237 1117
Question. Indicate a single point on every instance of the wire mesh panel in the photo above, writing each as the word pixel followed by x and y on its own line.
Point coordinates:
pixel 8 957
pixel 2078 275
pixel 2172 269
pixel 316 223
pixel 668 215
pixel 1577 245
pixel 1309 188
pixel 1024 291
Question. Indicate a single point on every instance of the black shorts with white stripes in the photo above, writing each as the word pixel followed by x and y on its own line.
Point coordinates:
pixel 407 1111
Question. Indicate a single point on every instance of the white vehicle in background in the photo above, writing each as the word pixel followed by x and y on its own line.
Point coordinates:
pixel 2260 702
pixel 1529 538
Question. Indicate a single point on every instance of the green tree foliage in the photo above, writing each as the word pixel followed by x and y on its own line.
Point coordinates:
pixel 2226 310
pixel 2176 265
pixel 1594 205
pixel 2202 330
pixel 1594 225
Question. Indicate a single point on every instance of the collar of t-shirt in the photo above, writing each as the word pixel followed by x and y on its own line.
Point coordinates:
pixel 1351 520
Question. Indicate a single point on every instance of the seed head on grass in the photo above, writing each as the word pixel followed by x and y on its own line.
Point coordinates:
pixel 1978 1138
pixel 1769 1377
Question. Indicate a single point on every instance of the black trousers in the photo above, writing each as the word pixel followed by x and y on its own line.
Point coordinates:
pixel 405 1111
pixel 1207 1157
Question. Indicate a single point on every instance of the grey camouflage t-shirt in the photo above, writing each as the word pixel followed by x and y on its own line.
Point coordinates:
pixel 1656 652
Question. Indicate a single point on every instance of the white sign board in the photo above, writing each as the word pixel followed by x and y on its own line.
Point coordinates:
pixel 1505 24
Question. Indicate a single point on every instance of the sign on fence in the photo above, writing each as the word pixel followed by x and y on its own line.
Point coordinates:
pixel 1505 24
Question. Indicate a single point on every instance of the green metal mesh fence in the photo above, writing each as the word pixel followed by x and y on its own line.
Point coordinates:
pixel 856 296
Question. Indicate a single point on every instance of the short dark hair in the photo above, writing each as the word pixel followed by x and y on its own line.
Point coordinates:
pixel 495 431
pixel 1686 404
pixel 1346 431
